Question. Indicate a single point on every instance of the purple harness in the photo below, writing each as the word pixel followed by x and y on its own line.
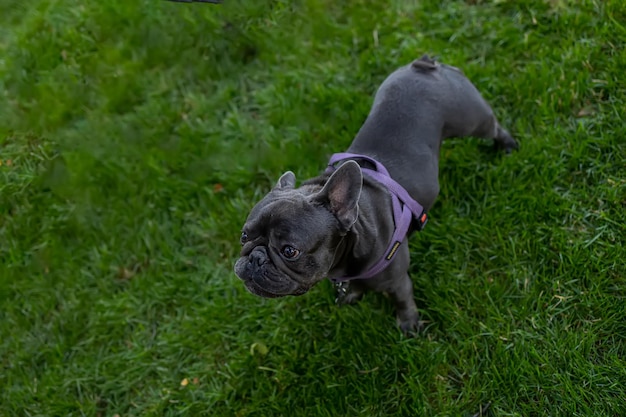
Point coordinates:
pixel 405 209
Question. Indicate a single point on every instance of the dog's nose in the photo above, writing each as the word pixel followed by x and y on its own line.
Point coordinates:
pixel 257 257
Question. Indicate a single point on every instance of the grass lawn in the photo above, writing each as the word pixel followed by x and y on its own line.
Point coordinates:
pixel 136 135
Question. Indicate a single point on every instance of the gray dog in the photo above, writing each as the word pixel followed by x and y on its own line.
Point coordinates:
pixel 351 224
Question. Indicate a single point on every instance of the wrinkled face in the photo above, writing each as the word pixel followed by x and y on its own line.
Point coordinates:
pixel 291 236
pixel 288 244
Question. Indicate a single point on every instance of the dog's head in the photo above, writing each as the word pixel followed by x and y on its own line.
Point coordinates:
pixel 290 238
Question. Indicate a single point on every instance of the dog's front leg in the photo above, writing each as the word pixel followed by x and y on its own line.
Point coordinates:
pixel 406 310
pixel 396 283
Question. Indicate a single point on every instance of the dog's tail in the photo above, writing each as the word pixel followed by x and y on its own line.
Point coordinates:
pixel 424 64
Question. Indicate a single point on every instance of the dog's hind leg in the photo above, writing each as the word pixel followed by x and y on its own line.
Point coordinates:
pixel 491 129
pixel 503 140
pixel 488 128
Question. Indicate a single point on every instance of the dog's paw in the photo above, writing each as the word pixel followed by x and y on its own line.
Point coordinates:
pixel 505 142
pixel 410 324
pixel 507 147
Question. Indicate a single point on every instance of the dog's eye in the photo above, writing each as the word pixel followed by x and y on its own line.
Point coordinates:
pixel 290 252
pixel 244 237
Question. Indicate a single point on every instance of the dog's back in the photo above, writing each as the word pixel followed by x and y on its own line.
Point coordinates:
pixel 442 94
pixel 414 109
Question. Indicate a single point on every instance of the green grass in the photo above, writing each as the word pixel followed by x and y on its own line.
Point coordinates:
pixel 135 137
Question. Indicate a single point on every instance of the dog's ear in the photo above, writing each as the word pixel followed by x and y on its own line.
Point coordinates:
pixel 286 181
pixel 341 193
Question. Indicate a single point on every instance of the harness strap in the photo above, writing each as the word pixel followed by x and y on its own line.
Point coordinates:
pixel 405 209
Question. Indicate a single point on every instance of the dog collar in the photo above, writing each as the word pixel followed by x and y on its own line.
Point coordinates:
pixel 405 209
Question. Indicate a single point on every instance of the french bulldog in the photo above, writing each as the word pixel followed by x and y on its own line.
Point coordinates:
pixel 339 224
